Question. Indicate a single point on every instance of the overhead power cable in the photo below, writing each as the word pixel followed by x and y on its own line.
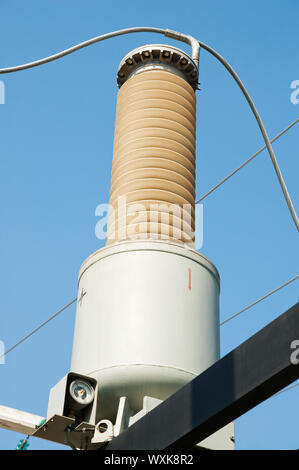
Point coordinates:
pixel 262 129
pixel 287 389
pixel 195 44
pixel 245 163
pixel 75 48
pixel 38 328
pixel 259 300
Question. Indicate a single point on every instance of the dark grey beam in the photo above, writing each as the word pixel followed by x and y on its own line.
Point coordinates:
pixel 245 377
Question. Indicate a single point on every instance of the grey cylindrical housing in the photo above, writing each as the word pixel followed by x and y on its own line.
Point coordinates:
pixel 149 321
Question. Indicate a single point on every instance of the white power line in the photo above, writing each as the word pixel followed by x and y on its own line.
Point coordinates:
pixel 38 328
pixel 259 300
pixel 245 163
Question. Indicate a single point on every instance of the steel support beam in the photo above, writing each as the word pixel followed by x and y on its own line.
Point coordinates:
pixel 245 377
pixel 19 421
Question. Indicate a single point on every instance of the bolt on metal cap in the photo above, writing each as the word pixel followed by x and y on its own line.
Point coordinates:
pixel 158 56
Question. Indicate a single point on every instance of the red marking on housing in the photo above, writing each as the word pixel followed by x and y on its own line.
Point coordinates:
pixel 189 278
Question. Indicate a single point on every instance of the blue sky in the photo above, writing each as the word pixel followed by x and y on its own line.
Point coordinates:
pixel 56 142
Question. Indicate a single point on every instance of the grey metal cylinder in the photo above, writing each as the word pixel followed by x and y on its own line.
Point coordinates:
pixel 148 323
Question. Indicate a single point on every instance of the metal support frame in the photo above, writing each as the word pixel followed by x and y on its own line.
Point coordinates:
pixel 245 377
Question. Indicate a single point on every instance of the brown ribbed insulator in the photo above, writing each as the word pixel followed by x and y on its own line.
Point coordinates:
pixel 153 171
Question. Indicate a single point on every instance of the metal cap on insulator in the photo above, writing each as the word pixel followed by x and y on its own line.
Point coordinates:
pixel 157 56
